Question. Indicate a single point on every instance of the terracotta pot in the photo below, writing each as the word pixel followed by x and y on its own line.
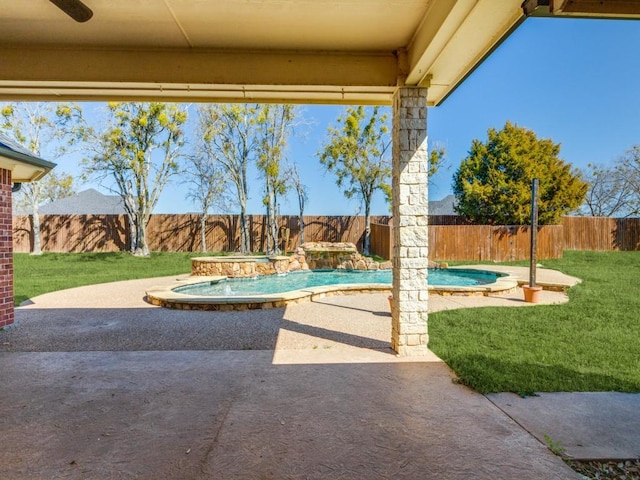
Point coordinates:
pixel 531 294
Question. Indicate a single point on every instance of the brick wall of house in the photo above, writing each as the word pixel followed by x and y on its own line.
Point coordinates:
pixel 6 250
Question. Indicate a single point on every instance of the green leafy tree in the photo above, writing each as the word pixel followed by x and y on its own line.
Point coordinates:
pixel 493 183
pixel 274 125
pixel 228 137
pixel 437 158
pixel 47 130
pixel 137 153
pixel 357 152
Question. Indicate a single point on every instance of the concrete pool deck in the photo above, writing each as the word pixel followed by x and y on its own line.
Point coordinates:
pixel 167 295
pixel 97 383
pixel 99 317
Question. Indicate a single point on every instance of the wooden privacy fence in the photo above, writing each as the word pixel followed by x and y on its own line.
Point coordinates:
pixel 500 243
pixel 72 233
pixel 449 237
pixel 478 242
pixel 179 233
pixel 601 233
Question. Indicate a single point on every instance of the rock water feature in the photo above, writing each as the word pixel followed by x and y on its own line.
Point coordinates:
pixel 326 255
pixel 310 256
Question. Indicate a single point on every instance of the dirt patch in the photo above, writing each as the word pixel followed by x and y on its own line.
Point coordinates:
pixel 614 469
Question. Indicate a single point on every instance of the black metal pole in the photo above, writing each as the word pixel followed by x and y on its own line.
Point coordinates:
pixel 534 231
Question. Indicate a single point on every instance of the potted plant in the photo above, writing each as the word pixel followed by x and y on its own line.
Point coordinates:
pixel 531 293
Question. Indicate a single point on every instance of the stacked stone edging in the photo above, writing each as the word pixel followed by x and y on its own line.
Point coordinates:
pixel 310 256
pixel 238 267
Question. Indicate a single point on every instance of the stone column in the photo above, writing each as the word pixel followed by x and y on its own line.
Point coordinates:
pixel 409 315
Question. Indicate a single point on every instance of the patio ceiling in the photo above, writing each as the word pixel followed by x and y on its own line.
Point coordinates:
pixel 329 51
pixel 307 51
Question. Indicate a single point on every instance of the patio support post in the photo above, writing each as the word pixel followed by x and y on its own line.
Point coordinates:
pixel 409 187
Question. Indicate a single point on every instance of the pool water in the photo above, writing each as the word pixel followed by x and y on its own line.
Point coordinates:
pixel 270 284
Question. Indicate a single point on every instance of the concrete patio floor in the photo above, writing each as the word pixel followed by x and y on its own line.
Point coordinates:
pixel 98 384
pixel 237 415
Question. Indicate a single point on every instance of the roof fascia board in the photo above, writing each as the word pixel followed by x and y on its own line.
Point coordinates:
pixel 192 66
pixel 611 9
pixel 55 91
pixel 439 24
pixel 12 155
pixel 512 19
pixel 33 172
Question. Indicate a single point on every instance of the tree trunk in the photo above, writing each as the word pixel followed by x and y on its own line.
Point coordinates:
pixel 274 229
pixel 203 232
pixel 367 229
pixel 301 226
pixel 272 225
pixel 301 210
pixel 268 247
pixel 275 249
pixel 143 240
pixel 35 228
pixel 139 242
pixel 245 246
pixel 133 240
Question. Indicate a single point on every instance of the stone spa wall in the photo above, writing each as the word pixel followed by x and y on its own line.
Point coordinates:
pixel 310 256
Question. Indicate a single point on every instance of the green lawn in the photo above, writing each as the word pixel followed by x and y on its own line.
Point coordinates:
pixel 591 343
pixel 38 274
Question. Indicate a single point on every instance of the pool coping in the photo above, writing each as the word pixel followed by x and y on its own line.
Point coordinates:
pixel 239 258
pixel 165 296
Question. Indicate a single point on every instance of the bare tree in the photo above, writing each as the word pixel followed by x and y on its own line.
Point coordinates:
pixel 274 124
pixel 610 192
pixel 228 137
pixel 138 151
pixel 44 129
pixel 629 166
pixel 207 189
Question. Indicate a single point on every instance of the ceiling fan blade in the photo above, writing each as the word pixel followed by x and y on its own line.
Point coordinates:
pixel 74 8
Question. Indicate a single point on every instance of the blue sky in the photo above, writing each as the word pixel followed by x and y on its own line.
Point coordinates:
pixel 574 81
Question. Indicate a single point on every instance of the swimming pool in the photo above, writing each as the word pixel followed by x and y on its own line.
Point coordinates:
pixel 273 284
pixel 273 291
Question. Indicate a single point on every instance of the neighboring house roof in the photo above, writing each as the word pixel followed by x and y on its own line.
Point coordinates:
pixel 444 206
pixel 87 202
pixel 23 164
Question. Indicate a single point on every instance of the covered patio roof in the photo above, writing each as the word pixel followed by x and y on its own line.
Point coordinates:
pixel 305 51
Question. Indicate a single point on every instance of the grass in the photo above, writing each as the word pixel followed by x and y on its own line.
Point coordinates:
pixel 38 274
pixel 588 344
pixel 555 446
